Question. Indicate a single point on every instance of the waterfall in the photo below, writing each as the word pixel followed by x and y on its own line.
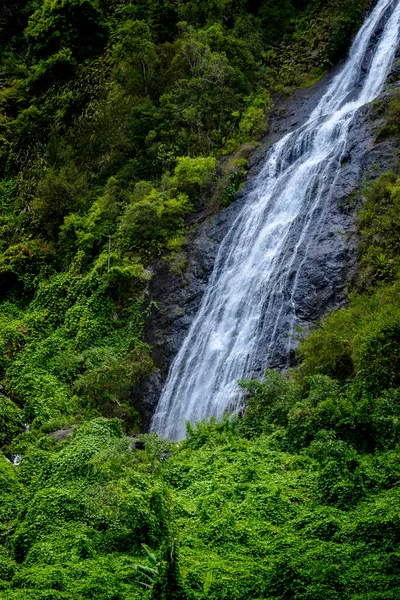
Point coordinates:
pixel 250 288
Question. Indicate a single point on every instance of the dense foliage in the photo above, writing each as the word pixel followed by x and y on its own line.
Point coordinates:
pixel 114 117
pixel 298 498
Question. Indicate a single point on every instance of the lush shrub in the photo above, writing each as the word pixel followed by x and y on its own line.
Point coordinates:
pixel 192 175
pixel 352 340
pixel 150 222
pixel 57 195
pixel 379 228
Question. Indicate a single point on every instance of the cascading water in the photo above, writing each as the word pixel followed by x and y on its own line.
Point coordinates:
pixel 251 286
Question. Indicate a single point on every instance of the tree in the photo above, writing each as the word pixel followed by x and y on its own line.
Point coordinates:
pixel 76 24
pixel 136 57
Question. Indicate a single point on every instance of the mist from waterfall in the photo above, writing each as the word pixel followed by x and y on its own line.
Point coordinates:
pixel 251 287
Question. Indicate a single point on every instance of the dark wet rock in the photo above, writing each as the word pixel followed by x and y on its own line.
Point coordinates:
pixel 61 434
pixel 331 264
pixel 135 443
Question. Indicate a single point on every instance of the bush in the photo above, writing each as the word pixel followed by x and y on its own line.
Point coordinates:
pixel 10 420
pixel 193 175
pixel 379 228
pixel 148 223
pixel 351 340
pixel 58 194
pixel 269 403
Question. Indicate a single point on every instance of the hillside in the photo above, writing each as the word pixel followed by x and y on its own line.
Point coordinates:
pixel 119 121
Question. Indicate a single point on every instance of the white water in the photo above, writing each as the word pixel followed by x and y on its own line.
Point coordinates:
pixel 245 298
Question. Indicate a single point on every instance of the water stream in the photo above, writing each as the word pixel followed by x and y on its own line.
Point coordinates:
pixel 251 286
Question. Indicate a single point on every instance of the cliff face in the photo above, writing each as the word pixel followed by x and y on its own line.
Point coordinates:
pixel 331 263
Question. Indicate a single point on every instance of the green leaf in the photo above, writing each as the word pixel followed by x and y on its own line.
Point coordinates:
pixel 208 582
pixel 150 554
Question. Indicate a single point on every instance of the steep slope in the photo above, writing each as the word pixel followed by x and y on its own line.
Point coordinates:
pixel 331 256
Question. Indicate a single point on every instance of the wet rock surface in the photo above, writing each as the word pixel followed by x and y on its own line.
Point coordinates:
pixel 61 434
pixel 331 262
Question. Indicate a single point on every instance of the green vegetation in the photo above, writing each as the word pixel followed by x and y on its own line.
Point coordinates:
pixel 117 119
pixel 299 498
pixel 379 226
